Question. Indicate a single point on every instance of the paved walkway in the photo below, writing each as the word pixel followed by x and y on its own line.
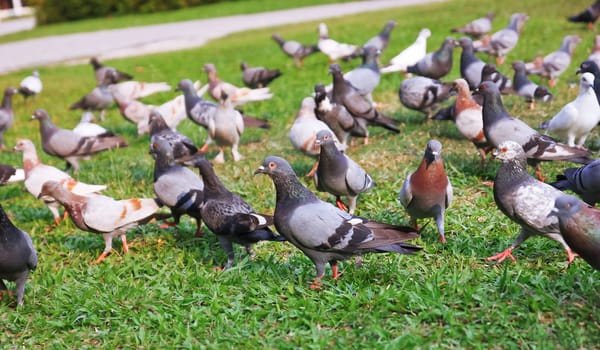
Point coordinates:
pixel 168 37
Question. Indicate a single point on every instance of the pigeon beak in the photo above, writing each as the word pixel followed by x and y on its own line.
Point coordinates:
pixel 32 117
pixel 553 212
pixel 476 92
pixel 578 71
pixel 259 170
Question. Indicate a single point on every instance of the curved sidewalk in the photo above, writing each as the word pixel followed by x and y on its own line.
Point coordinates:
pixel 168 37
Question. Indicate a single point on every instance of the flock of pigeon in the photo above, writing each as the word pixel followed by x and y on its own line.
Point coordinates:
pixel 324 128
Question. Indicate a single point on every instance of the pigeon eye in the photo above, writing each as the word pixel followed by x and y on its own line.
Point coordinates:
pixel 272 165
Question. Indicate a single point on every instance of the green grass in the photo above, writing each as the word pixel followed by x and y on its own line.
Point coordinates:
pixel 187 14
pixel 167 290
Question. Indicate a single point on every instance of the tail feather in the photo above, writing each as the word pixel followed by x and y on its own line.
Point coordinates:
pixel 386 122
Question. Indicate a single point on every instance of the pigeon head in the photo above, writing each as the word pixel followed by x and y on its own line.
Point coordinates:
pixel 51 189
pixel 10 91
pixel 162 151
pixel 509 150
pixel 40 114
pixel 87 117
pixel 518 66
pixel 565 206
pixel 94 62
pixel 465 42
pixel 425 33
pixel 273 165
pixel 243 66
pixel 324 137
pixel 323 33
pixel 335 69
pixel 587 80
pixel 156 122
pixel 433 151
pixel 517 21
pixel 449 44
pixel 542 93
pixel 184 85
pixel 210 68
pixel 588 66
pixel 36 74
pixel 459 85
pixel 23 145
pixel 488 90
pixel 490 16
pixel 569 43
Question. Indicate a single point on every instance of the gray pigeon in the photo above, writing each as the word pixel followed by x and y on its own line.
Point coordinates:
pixel 100 71
pixel 470 65
pixel 229 216
pixel 423 94
pixel 504 40
pixel 31 85
pixel 100 98
pixel 477 27
pixel 345 94
pixel 258 77
pixel 366 77
pixel 524 200
pixel 381 40
pixel 325 233
pixel 499 126
pixel 338 174
pixel 585 181
pixel 176 186
pixel 555 63
pixel 7 115
pixel 337 117
pixel 17 255
pixel 504 84
pixel 428 192
pixel 294 49
pixel 182 146
pixel 526 88
pixel 437 64
pixel 69 145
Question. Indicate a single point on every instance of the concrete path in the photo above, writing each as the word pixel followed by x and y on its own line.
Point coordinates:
pixel 168 37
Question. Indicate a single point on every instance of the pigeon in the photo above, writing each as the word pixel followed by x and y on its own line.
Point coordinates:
pixel 87 127
pixel 229 216
pixel 577 118
pixel 410 55
pixel 226 126
pixel 17 256
pixel 325 233
pixel 499 126
pixel 31 85
pixel 504 84
pixel 524 200
pixel 591 67
pixel 37 173
pixel 526 88
pixel 182 147
pixel 589 15
pixel 555 63
pixel 504 40
pixel 258 77
pixel 437 64
pixel 335 50
pixel 100 98
pixel 579 224
pixel 585 181
pixel 345 94
pixel 303 133
pixel 104 215
pixel 338 174
pixel 100 71
pixel 237 95
pixel 294 49
pixel 176 186
pixel 423 94
pixel 70 146
pixel 470 65
pixel 381 40
pixel 427 192
pixel 595 55
pixel 133 90
pixel 468 118
pixel 7 115
pixel 10 174
pixel 336 116
pixel 477 27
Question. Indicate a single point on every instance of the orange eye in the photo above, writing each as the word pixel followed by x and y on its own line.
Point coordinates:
pixel 272 165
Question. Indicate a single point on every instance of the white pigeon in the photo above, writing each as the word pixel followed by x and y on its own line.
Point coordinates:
pixel 31 85
pixel 303 133
pixel 409 56
pixel 87 127
pixel 237 95
pixel 36 174
pixel 136 89
pixel 333 49
pixel 577 118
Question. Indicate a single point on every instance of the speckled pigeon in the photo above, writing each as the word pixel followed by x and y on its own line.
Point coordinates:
pixel 325 233
pixel 585 181
pixel 423 94
pixel 491 73
pixel 499 126
pixel 258 77
pixel 100 71
pixel 338 174
pixel 336 116
pixel 31 85
pixel 181 146
pixel 526 88
pixel 580 227
pixel 104 215
pixel 555 63
pixel 294 49
pixel 7 115
pixel 229 216
pixel 504 40
pixel 70 146
pixel 588 16
pixel 428 192
pixel 437 64
pixel 470 65
pixel 477 27
pixel 176 186
pixel 17 256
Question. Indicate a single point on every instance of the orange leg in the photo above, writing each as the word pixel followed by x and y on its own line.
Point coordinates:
pixel 334 268
pixel 167 224
pixel 316 283
pixel 313 170
pixel 100 258
pixel 341 204
pixel 204 148
pixel 571 256
pixel 552 83
pixel 532 105
pixel 538 172
pixel 503 255
pixel 125 246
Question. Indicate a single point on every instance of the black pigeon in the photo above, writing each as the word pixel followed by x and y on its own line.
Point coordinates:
pixel 585 181
pixel 183 147
pixel 294 49
pixel 17 255
pixel 325 233
pixel 176 186
pixel 258 77
pixel 10 174
pixel 589 15
pixel 229 216
pixel 100 71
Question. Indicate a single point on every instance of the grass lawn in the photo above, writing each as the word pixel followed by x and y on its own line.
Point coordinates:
pixel 186 14
pixel 168 293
